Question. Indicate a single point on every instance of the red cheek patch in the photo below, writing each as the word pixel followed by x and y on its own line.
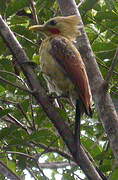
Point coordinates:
pixel 54 31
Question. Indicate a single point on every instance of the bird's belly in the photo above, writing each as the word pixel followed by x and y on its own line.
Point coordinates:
pixel 55 76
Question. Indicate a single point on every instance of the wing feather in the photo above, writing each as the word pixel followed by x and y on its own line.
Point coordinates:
pixel 68 57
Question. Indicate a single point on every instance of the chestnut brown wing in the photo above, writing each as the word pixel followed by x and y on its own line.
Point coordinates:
pixel 68 57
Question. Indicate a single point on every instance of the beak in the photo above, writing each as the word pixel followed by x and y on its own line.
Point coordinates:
pixel 37 28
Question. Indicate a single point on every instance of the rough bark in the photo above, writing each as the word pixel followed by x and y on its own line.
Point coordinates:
pixel 102 98
pixel 56 165
pixel 38 92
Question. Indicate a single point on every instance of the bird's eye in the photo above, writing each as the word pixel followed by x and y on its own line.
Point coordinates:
pixel 53 22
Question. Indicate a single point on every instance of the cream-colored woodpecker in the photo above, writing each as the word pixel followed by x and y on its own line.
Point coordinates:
pixel 61 63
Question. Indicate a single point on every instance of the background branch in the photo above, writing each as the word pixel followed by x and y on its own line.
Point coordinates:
pixel 56 165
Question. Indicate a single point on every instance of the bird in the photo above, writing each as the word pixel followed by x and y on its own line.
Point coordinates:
pixel 62 64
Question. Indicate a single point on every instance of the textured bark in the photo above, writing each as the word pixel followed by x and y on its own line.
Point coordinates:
pixel 56 165
pixel 38 92
pixel 6 172
pixel 102 99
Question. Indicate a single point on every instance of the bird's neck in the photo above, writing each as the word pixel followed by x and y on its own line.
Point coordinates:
pixel 60 36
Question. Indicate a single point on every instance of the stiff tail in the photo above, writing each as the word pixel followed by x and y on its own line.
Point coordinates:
pixel 79 112
pixel 80 109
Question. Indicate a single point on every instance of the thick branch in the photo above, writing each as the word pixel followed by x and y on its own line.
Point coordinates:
pixel 79 156
pixel 102 99
pixel 7 172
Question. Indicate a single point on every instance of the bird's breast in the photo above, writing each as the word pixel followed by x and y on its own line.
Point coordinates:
pixel 53 73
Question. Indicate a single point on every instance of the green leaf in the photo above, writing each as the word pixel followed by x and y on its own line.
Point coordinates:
pixel 5 112
pixel 110 4
pixel 11 165
pixel 106 166
pixel 16 5
pixel 106 15
pixel 4 132
pixel 2 90
pixel 2 6
pixel 45 136
pixel 103 46
pixel 89 4
pixel 91 146
pixel 114 174
pixel 67 176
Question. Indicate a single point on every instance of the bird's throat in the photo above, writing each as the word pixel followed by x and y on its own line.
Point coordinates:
pixel 54 30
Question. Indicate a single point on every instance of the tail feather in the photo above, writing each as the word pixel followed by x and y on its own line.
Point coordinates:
pixel 80 109
pixel 79 112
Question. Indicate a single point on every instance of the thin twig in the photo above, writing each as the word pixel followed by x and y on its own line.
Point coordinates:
pixel 19 106
pixel 35 17
pixel 30 41
pixel 9 118
pixel 44 176
pixel 19 153
pixel 31 173
pixel 52 149
pixel 114 93
pixel 32 113
pixel 113 65
pixel 13 74
pixel 80 3
pixel 12 84
pixel 78 176
pixel 103 65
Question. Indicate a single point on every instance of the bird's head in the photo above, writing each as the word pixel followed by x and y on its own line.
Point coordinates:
pixel 64 26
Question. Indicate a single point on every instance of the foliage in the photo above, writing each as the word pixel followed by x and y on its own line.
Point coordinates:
pixel 26 134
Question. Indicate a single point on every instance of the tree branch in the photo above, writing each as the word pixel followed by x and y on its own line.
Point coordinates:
pixel 102 99
pixel 56 165
pixel 7 172
pixel 59 122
